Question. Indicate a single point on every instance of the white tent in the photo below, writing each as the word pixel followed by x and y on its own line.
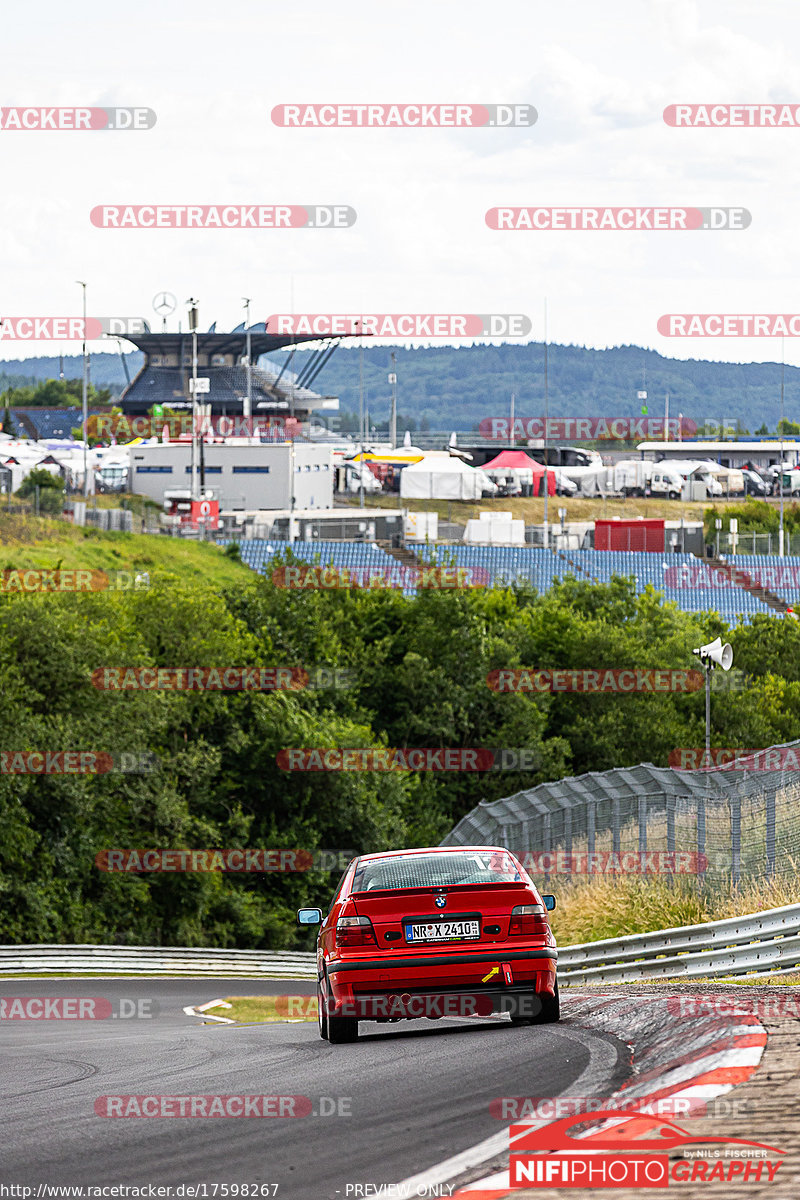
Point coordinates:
pixel 440 478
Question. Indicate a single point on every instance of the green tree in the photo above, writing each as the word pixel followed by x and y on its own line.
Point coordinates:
pixel 50 489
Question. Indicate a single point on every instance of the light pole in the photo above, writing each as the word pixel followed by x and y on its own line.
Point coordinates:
pixel 711 655
pixel 248 404
pixel 546 422
pixel 291 490
pixel 393 417
pixel 361 420
pixel 193 329
pixel 85 398
pixel 780 530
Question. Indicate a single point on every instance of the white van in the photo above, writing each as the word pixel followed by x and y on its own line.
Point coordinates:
pixel 666 481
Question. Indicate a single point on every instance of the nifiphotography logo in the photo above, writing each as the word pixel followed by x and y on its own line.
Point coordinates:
pixel 631 1151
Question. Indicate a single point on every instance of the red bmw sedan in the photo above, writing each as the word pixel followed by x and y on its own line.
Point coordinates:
pixel 444 931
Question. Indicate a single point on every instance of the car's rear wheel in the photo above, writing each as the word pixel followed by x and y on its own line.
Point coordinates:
pixel 337 1030
pixel 342 1029
pixel 547 1011
pixel 551 1007
pixel 322 1013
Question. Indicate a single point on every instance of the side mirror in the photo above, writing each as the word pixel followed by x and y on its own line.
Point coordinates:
pixel 549 902
pixel 309 916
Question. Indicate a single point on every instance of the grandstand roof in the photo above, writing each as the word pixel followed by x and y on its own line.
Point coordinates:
pixel 219 343
pixel 274 388
pixel 48 422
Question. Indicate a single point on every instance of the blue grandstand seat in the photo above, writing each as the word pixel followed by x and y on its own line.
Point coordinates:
pixel 683 579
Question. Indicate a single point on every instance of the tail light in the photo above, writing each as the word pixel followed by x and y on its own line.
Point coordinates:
pixel 355 931
pixel 527 920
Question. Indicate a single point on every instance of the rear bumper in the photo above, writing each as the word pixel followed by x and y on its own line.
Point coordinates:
pixel 433 962
pixel 455 984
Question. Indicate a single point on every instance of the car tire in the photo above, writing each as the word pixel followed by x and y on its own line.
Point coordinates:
pixel 342 1029
pixel 551 1008
pixel 322 1014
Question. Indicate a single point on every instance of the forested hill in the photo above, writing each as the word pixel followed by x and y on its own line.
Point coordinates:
pixel 447 387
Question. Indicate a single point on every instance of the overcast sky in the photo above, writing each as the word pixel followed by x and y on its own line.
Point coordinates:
pixel 599 76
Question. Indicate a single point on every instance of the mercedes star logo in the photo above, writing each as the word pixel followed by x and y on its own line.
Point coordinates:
pixel 164 302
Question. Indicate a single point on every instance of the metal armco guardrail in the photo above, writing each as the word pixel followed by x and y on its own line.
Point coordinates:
pixel 759 943
pixel 154 960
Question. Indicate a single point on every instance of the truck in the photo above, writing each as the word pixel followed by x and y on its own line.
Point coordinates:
pixel 632 477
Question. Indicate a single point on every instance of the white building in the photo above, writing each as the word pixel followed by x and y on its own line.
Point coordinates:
pixel 243 475
pixel 728 454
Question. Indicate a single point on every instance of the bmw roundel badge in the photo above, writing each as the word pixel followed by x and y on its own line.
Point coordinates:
pixel 440 901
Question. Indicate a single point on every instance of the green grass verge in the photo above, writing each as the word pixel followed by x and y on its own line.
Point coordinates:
pixel 268 1008
pixel 36 543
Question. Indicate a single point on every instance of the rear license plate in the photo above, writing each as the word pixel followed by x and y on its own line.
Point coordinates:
pixel 442 931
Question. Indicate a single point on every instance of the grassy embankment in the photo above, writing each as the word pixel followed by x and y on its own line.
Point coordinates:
pixel 37 543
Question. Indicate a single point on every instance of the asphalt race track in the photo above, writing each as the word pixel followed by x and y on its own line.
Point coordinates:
pixel 404 1097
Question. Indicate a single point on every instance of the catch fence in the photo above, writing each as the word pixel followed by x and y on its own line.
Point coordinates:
pixel 721 825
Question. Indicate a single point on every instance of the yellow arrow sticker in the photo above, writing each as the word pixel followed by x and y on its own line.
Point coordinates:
pixel 494 971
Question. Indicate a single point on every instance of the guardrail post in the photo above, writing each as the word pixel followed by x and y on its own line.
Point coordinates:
pixel 546 843
pixel 701 839
pixel 642 831
pixel 671 832
pixel 567 817
pixel 769 833
pixel 736 837
pixel 526 837
pixel 591 812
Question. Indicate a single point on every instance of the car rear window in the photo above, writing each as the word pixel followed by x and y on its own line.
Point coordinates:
pixel 437 870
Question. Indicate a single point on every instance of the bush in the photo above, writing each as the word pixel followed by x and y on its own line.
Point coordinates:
pixel 51 490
